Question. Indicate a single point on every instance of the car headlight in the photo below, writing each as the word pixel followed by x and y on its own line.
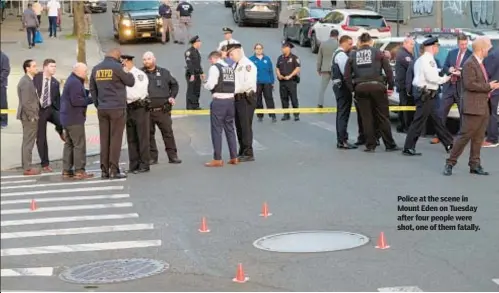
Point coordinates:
pixel 159 21
pixel 126 22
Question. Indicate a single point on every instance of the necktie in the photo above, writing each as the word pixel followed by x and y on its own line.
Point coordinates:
pixel 45 98
pixel 454 78
pixel 485 75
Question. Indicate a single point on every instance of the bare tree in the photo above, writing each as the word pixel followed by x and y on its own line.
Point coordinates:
pixel 79 22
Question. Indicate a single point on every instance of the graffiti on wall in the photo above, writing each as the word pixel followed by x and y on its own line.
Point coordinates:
pixel 482 12
pixel 455 6
pixel 422 7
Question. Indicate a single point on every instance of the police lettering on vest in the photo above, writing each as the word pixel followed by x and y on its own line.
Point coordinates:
pixel 366 66
pixel 226 80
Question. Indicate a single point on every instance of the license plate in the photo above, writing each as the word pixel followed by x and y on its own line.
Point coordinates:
pixel 146 35
pixel 260 8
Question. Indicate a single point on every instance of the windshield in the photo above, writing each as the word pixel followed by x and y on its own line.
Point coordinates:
pixel 318 13
pixel 140 5
pixel 374 21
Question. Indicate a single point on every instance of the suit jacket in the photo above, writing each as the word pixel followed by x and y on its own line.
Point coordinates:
pixel 476 89
pixel 492 65
pixel 325 55
pixel 451 61
pixel 55 89
pixel 29 104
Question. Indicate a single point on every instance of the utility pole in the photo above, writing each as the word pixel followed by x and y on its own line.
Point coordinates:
pixel 398 18
pixel 439 13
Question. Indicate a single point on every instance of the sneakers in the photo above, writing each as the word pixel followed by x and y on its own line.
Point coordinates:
pixel 487 144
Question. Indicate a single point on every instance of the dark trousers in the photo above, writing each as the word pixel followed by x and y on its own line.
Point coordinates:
pixel 164 122
pixel 51 115
pixel 472 129
pixel 222 116
pixel 264 90
pixel 373 106
pixel 39 19
pixel 4 105
pixel 193 92
pixel 245 109
pixel 30 34
pixel 137 134
pixel 425 110
pixel 75 149
pixel 361 138
pixel 493 128
pixel 405 117
pixel 447 103
pixel 53 26
pixel 288 91
pixel 30 128
pixel 111 127
pixel 344 106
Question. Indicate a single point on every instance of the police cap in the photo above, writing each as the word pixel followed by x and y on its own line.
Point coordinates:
pixel 227 30
pixel 231 47
pixel 127 57
pixel 287 44
pixel 194 40
pixel 430 41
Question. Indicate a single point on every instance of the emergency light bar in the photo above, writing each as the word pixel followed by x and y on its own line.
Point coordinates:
pixel 437 30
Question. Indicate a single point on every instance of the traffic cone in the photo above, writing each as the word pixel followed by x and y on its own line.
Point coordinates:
pixel 240 277
pixel 204 226
pixel 381 242
pixel 33 206
pixel 265 211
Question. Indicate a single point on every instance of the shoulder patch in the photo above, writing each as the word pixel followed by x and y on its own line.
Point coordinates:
pixel 188 53
pixel 408 59
pixel 297 60
pixel 140 77
pixel 433 64
pixel 248 68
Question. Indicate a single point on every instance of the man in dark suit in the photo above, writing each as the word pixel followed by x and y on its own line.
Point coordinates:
pixel 49 93
pixel 475 108
pixel 491 63
pixel 4 78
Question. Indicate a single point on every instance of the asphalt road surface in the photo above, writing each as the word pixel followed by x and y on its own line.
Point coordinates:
pixel 307 183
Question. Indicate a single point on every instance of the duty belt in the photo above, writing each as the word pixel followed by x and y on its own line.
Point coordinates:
pixel 371 82
pixel 240 96
pixel 158 109
pixel 137 105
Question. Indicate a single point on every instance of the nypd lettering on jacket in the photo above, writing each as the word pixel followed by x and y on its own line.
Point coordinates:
pixel 226 80
pixel 364 57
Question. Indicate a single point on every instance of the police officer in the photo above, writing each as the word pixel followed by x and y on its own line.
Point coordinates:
pixel 137 125
pixel 225 56
pixel 184 13
pixel 287 71
pixel 342 93
pixel 426 83
pixel 245 100
pixel 363 74
pixel 162 90
pixel 228 39
pixel 403 58
pixel 194 74
pixel 108 83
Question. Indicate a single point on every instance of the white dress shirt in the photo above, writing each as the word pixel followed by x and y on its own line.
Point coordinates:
pixel 426 73
pixel 213 78
pixel 228 42
pixel 139 90
pixel 245 74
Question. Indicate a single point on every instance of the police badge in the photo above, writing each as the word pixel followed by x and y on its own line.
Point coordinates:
pixel 187 54
pixel 140 77
pixel 433 64
pixel 248 68
pixel 408 59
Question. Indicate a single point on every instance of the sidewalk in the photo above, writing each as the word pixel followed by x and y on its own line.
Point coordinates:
pixel 63 50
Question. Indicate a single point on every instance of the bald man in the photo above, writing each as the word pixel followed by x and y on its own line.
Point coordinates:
pixel 74 102
pixel 477 89
pixel 108 83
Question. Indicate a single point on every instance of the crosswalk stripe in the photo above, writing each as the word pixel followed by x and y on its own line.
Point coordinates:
pixel 79 247
pixel 68 198
pixel 324 125
pixel 98 181
pixel 496 281
pixel 68 208
pixel 66 190
pixel 67 219
pixel 17 182
pixel 43 174
pixel 400 289
pixel 74 231
pixel 39 272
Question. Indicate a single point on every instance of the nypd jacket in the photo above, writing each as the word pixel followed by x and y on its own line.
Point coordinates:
pixel 108 83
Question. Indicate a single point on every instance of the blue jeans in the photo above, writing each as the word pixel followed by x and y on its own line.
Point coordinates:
pixel 53 26
pixel 4 105
pixel 30 33
pixel 493 128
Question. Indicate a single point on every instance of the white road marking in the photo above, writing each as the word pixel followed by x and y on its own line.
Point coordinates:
pixel 66 219
pixel 98 181
pixel 324 125
pixel 400 289
pixel 496 281
pixel 79 247
pixel 68 198
pixel 68 208
pixel 67 190
pixel 17 182
pixel 74 231
pixel 43 174
pixel 38 272
pixel 258 146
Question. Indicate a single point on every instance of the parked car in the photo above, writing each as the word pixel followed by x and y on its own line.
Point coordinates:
pixel 228 4
pixel 351 22
pixel 262 12
pixel 96 6
pixel 133 20
pixel 299 24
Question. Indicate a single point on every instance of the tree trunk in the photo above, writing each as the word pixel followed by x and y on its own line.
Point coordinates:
pixel 79 16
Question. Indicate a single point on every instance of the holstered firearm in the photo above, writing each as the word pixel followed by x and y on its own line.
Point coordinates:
pixel 250 97
pixel 143 103
pixel 426 94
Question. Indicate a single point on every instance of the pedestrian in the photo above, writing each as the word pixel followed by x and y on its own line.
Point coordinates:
pixel 27 112
pixel 38 8
pixel 31 24
pixel 324 59
pixel 287 71
pixel 108 83
pixel 162 90
pixel 165 11
pixel 74 102
pixel 491 63
pixel 53 12
pixel 475 108
pixel 50 96
pixel 245 101
pixel 228 39
pixel 221 83
pixel 404 57
pixel 138 118
pixel 4 80
pixel 88 19
pixel 194 74
pixel 363 74
pixel 425 86
pixel 184 15
pixel 264 81
pixel 341 92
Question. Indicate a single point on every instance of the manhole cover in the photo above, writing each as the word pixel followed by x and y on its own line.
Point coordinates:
pixel 311 241
pixel 113 271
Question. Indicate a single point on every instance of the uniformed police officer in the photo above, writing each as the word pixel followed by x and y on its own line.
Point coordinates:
pixel 108 83
pixel 184 13
pixel 221 83
pixel 403 59
pixel 228 39
pixel 193 74
pixel 162 90
pixel 245 100
pixel 137 125
pixel 287 71
pixel 426 83
pixel 363 74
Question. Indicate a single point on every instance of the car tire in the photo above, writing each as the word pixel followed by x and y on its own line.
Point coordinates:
pixel 275 25
pixel 313 44
pixel 240 23
pixel 104 10
pixel 302 40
